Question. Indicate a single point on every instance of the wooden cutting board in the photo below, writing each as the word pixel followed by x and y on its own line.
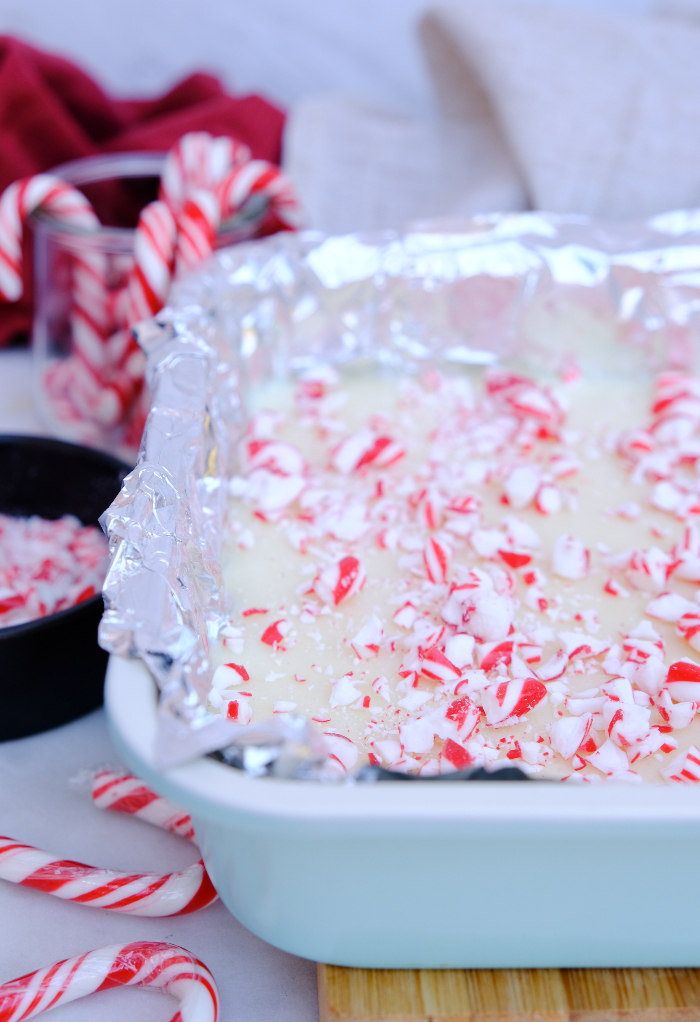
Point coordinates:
pixel 508 995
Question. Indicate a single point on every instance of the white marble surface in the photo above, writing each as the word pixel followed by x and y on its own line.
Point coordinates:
pixel 39 805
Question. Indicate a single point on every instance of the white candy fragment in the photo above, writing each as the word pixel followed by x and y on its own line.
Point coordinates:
pixel 481 612
pixel 684 769
pixel 343 692
pixel 626 724
pixel 459 650
pixel 568 734
pixel 405 616
pixel 522 485
pixel 342 750
pixel 647 569
pixel 570 559
pixel 670 607
pixel 417 735
pixel 369 638
pixel 676 715
pixel 609 759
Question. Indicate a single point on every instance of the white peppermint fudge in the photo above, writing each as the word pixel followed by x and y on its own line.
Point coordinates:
pixel 446 571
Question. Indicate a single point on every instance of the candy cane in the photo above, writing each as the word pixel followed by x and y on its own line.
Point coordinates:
pixel 143 894
pixel 157 966
pixel 198 160
pixel 258 177
pixel 46 192
pixel 124 793
pixel 197 224
pixel 154 260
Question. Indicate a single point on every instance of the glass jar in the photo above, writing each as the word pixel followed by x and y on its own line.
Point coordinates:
pixel 86 391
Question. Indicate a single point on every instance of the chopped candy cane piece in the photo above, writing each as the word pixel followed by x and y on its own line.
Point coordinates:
pixel 511 699
pixel 522 485
pixel 365 448
pixel 570 559
pixel 229 676
pixel 618 690
pixel 678 715
pixel 684 769
pixel 554 668
pixel 683 681
pixel 520 533
pixel 456 755
pixel 665 496
pixel 627 724
pixel 389 750
pixel 548 500
pixel 577 645
pixel 613 587
pixel 491 654
pixel 435 665
pixel 275 633
pixel 344 692
pixel 579 706
pixel 340 581
pixel 238 710
pixel 284 706
pixel 654 741
pixel 481 612
pixel 648 676
pixel 609 759
pixel 647 569
pixel 513 559
pixel 414 699
pixel 464 715
pixel 687 568
pixel 486 542
pixel 436 556
pixel 689 628
pixel 381 687
pixel 342 750
pixel 417 735
pixel 274 455
pixel 405 616
pixel 568 734
pixel 670 607
pixel 459 650
pixel 368 640
pixel 269 492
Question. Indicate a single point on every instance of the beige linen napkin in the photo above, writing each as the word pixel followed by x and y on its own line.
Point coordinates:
pixel 543 106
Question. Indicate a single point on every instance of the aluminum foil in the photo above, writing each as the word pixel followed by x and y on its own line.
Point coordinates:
pixel 467 292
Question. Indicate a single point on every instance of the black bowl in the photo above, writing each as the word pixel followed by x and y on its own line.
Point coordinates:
pixel 51 669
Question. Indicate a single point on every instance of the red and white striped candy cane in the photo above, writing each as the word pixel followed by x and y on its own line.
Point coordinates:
pixel 154 965
pixel 154 261
pixel 142 894
pixel 46 192
pixel 197 224
pixel 198 160
pixel 258 177
pixel 124 793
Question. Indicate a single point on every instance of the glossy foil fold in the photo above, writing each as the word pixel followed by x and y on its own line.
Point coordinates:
pixel 467 292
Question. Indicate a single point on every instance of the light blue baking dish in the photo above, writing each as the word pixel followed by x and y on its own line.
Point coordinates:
pixel 436 874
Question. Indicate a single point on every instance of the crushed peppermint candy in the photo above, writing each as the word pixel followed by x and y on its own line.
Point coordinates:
pixel 471 567
pixel 48 565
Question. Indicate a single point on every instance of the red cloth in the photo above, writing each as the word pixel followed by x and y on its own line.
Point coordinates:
pixel 52 112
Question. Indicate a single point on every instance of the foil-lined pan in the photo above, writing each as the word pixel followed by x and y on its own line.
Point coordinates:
pixel 466 292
